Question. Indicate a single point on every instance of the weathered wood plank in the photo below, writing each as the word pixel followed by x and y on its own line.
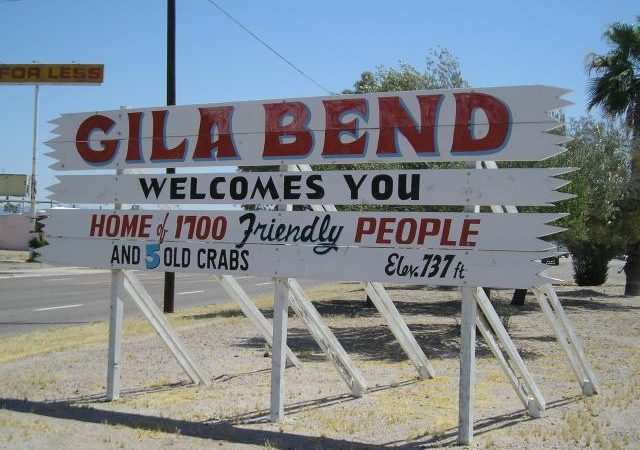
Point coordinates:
pixel 527 187
pixel 429 267
pixel 503 123
pixel 323 230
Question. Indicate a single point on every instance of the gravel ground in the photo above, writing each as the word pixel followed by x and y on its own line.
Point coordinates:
pixel 53 383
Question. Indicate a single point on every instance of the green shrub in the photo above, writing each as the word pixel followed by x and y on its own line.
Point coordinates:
pixel 590 263
pixel 34 243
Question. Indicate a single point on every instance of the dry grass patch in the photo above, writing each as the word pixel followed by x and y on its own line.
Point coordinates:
pixel 176 396
pixel 53 340
pixel 40 343
pixel 18 428
pixel 350 420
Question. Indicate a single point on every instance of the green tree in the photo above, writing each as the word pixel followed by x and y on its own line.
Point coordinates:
pixel 599 149
pixel 442 71
pixel 615 88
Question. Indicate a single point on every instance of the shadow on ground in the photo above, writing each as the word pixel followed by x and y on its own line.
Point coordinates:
pixel 235 430
pixel 439 340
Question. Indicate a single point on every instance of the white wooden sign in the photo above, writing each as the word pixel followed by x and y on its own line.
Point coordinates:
pixel 324 232
pixel 416 266
pixel 503 123
pixel 530 187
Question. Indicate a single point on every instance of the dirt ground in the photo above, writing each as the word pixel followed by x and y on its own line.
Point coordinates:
pixel 53 382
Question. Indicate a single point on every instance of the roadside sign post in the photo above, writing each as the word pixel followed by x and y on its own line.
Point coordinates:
pixel 466 250
pixel 33 190
pixel 281 297
pixel 37 74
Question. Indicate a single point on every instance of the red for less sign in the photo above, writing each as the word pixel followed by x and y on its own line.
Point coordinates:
pixel 454 125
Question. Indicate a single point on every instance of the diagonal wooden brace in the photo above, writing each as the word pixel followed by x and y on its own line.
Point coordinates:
pixel 326 339
pixel 527 400
pixel 162 327
pixel 235 291
pixel 569 342
pixel 383 303
pixel 503 337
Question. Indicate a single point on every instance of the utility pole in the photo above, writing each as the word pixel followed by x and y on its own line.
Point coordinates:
pixel 34 155
pixel 170 277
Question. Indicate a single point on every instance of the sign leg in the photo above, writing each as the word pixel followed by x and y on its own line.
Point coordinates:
pixel 467 366
pixel 115 335
pixel 278 360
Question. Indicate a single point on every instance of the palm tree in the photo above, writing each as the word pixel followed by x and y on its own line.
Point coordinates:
pixel 615 88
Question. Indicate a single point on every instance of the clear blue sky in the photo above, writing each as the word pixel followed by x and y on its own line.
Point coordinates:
pixel 497 42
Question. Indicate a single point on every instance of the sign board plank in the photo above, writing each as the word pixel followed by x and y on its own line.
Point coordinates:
pixel 13 185
pixel 416 266
pixel 530 187
pixel 51 73
pixel 504 123
pixel 324 232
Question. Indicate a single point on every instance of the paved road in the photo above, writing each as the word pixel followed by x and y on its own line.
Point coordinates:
pixel 56 297
pixel 43 298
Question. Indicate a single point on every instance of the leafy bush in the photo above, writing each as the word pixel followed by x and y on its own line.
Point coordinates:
pixel 600 151
pixel 34 243
pixel 590 263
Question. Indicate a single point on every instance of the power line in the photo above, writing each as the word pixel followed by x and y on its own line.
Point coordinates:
pixel 271 49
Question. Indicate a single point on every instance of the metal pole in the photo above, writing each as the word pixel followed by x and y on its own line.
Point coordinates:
pixel 170 277
pixel 33 212
pixel 34 154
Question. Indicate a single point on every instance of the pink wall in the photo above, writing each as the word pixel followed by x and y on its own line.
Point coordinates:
pixel 14 232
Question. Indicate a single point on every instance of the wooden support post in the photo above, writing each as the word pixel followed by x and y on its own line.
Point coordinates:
pixel 382 301
pixel 562 338
pixel 467 367
pixel 115 335
pixel 325 338
pixel 569 344
pixel 116 310
pixel 493 319
pixel 592 387
pixel 235 291
pixel 466 386
pixel 280 319
pixel 162 327
pixel 527 401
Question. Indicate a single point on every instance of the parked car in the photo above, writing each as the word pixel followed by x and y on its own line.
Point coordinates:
pixel 555 260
